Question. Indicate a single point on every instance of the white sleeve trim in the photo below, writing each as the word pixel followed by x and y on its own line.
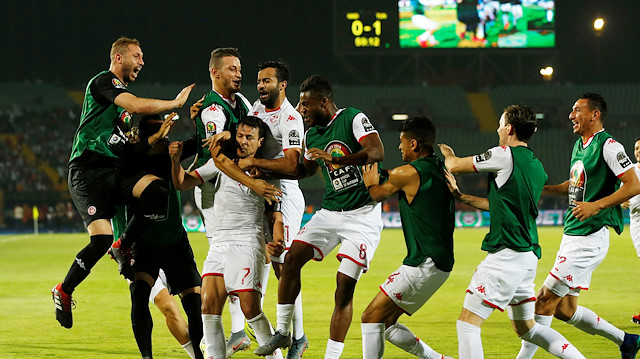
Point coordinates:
pixel 213 119
pixel 616 158
pixel 362 126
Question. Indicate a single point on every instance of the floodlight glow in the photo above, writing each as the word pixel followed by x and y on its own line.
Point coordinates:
pixel 598 24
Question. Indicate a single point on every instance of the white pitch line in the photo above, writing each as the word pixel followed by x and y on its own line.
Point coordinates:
pixel 15 238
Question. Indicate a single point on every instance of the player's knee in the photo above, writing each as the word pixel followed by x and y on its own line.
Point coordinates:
pixel 156 195
pixel 101 242
pixel 140 291
pixel 344 295
pixel 368 316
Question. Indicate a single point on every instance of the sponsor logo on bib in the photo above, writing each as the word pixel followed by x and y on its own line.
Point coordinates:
pixel 577 182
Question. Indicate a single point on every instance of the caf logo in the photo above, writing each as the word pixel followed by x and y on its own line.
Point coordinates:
pixel 336 149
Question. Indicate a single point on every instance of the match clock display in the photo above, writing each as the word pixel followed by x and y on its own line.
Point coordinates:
pixel 361 25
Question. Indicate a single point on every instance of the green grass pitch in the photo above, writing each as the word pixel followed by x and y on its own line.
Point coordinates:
pixel 30 266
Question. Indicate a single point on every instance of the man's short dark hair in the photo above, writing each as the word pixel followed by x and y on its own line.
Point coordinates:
pixel 523 119
pixel 317 85
pixel 420 128
pixel 281 67
pixel 596 102
pixel 219 53
pixel 254 122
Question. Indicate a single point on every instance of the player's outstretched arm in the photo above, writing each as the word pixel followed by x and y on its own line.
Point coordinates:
pixel 373 151
pixel 286 165
pixel 473 201
pixel 268 191
pixel 404 178
pixel 181 179
pixel 584 210
pixel 454 163
pixel 561 189
pixel 141 105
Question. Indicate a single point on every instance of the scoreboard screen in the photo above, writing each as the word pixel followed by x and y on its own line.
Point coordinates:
pixel 361 25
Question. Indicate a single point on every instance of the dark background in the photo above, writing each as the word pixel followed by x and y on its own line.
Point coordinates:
pixel 67 42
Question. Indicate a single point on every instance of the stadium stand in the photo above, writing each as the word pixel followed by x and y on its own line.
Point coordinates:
pixel 37 123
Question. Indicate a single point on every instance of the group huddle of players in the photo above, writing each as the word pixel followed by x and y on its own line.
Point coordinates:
pixel 245 185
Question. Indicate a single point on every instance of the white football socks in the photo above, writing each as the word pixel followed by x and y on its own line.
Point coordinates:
pixel 552 341
pixel 261 326
pixel 588 321
pixel 298 322
pixel 188 347
pixel 528 349
pixel 402 337
pixel 334 349
pixel 372 340
pixel 214 336
pixel 284 313
pixel 469 341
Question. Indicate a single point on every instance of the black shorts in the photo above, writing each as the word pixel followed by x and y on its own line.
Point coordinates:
pixel 176 260
pixel 97 190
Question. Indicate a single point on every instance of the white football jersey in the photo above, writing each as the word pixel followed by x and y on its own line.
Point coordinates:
pixel 497 160
pixel 285 124
pixel 238 211
pixel 213 118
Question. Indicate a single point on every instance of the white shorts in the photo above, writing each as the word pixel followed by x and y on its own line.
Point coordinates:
pixel 292 208
pixel 502 278
pixel 358 230
pixel 240 266
pixel 635 235
pixel 161 283
pixel 410 287
pixel 577 258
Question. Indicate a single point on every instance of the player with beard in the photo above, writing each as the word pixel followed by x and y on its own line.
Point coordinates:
pixel 280 153
pixel 220 109
pixel 339 142
pixel 97 183
pixel 236 256
pixel 598 165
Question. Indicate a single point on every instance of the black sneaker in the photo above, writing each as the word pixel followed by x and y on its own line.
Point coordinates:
pixel 63 304
pixel 630 346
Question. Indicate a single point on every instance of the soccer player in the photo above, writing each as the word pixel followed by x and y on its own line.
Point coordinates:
pixel 236 256
pixel 633 205
pixel 598 164
pixel 96 181
pixel 163 245
pixel 280 153
pixel 505 277
pixel 427 211
pixel 220 110
pixel 339 142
